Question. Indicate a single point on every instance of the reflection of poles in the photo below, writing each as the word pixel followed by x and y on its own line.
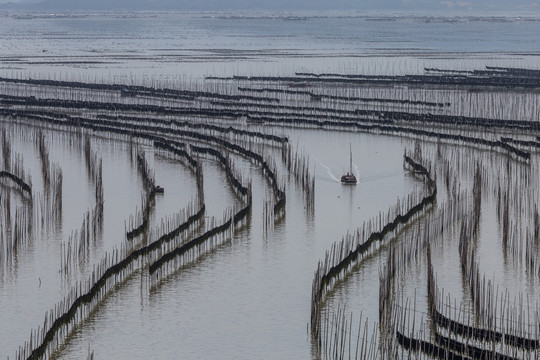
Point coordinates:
pixel 350 202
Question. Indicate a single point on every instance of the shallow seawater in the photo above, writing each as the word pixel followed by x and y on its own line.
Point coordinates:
pixel 250 296
pixel 167 48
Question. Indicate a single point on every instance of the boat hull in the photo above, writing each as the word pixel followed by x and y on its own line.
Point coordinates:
pixel 348 179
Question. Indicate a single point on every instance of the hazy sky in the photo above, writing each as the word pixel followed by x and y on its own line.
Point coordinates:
pixel 464 5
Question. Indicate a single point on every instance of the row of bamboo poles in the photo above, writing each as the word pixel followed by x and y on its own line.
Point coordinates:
pixel 298 166
pixel 111 270
pixel 77 249
pixel 122 262
pixel 138 223
pixel 156 254
pixel 156 122
pixel 16 221
pixel 500 324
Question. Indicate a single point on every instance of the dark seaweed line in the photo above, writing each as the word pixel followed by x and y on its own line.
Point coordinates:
pixel 176 150
pixel 115 106
pixel 174 233
pixel 410 80
pixel 462 72
pixel 92 105
pixel 150 196
pixel 483 334
pixel 221 129
pixel 130 235
pixel 130 90
pixel 318 112
pixel 345 98
pixel 255 134
pixel 420 169
pixel 427 348
pixel 529 143
pixel 465 330
pixel 192 95
pixel 200 239
pixel 506 77
pixel 472 351
pixel 148 180
pixel 515 71
pixel 24 186
pixel 457 120
pixel 501 73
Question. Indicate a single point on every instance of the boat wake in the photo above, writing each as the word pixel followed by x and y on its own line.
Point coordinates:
pixel 356 172
pixel 329 171
pixel 378 177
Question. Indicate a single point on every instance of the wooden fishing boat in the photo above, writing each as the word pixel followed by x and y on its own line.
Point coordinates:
pixel 349 178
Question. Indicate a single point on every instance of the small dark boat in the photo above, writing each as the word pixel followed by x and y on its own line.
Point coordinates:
pixel 159 190
pixel 349 177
